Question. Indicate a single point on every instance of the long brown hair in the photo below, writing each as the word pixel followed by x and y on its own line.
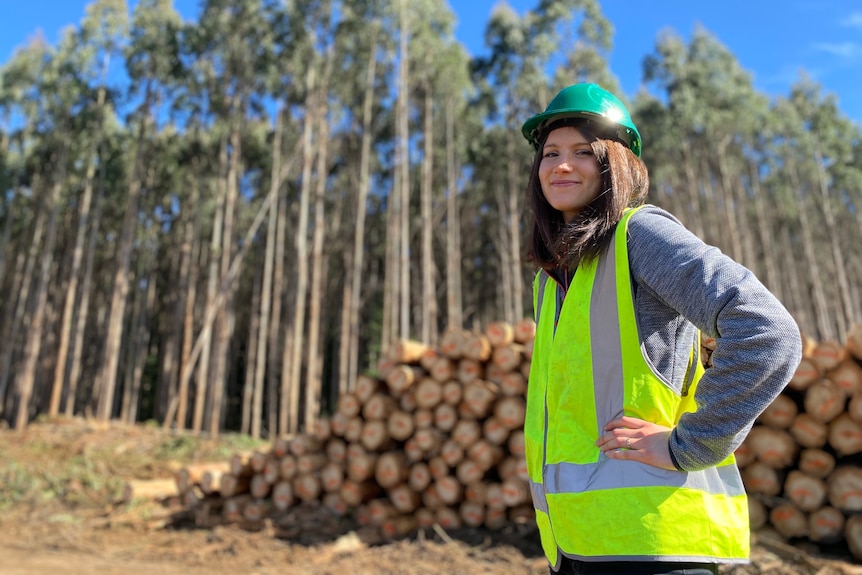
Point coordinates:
pixel 624 183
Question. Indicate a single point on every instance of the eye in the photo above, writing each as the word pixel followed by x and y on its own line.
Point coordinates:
pixel 550 154
pixel 584 152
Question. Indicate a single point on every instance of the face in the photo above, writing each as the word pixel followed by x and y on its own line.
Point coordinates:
pixel 569 173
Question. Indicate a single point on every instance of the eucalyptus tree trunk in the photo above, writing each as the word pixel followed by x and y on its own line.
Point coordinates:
pixel 822 314
pixel 349 352
pixel 454 300
pixel 504 247
pixel 429 281
pixel 138 350
pixel 313 384
pixel 203 373
pixel 27 374
pixel 107 378
pixel 288 417
pixel 765 228
pixel 402 132
pixel 226 316
pixel 258 380
pixel 728 202
pixel 254 336
pixel 515 308
pixel 77 255
pixel 692 187
pixel 77 337
pixel 844 303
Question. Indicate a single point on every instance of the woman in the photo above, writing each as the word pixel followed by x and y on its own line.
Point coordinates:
pixel 629 440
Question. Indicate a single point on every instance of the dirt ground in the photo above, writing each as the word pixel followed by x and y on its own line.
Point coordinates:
pixel 62 512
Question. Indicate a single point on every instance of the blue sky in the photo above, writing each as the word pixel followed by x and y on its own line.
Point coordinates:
pixel 775 40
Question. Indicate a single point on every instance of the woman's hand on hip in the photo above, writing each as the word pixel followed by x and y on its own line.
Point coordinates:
pixel 637 440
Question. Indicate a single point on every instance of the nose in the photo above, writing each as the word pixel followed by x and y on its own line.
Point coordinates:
pixel 563 165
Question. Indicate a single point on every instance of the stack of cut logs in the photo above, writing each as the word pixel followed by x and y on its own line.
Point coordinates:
pixel 437 438
pixel 802 462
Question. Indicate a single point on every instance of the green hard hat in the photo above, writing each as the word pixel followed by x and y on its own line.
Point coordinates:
pixel 589 101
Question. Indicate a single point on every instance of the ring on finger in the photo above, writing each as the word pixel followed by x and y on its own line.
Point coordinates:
pixel 628 442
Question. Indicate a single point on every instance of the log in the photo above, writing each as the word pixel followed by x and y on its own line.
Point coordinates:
pixel 401 377
pixel 272 470
pixel 413 451
pixel 480 396
pixel 378 407
pixel 423 418
pixel 476 346
pixel 466 432
pixel 391 469
pixel 367 386
pixel 429 393
pixel 854 406
pixel 238 465
pixel 476 492
pixel 428 439
pixel 774 447
pixel 847 376
pixel 453 392
pixel 808 432
pixel 806 491
pixel 424 517
pixel 356 493
pixel 310 462
pixel 354 430
pixel 780 413
pixel 508 358
pixel 516 442
pixel 824 400
pixel 404 498
pixel 304 444
pixel 845 435
pixel 525 331
pixel 451 343
pixel 438 467
pixel 828 354
pixel 485 454
pixel 380 510
pixel 429 358
pixel 336 450
pixel 500 333
pixel 258 460
pixel 443 369
pixel 360 463
pixel 400 425
pixel 853 535
pixel 494 431
pixel 280 446
pixel 468 472
pixel 472 514
pixel 510 411
pixel 232 508
pixel 826 525
pixel 807 372
pixel 338 424
pixel 744 455
pixel 232 485
pixel 469 370
pixel 788 520
pixel 445 417
pixel 256 510
pixel 306 487
pixel 398 526
pixel 451 453
pixel 513 383
pixel 816 462
pixel 494 497
pixel 844 488
pixel 322 429
pixel 759 477
pixel 407 351
pixel 407 401
pixel 418 477
pixel 332 476
pixel 447 518
pixel 348 405
pixel 758 514
pixel 151 489
pixel 375 436
pixel 334 503
pixel 515 492
pixel 495 519
pixel 258 486
pixel 449 489
pixel 287 468
pixel 211 480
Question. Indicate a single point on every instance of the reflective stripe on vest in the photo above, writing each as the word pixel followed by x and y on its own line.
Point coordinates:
pixel 585 371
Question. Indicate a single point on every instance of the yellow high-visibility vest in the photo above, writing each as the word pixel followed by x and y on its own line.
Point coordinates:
pixel 587 369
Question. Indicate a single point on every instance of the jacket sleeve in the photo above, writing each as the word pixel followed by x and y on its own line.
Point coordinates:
pixel 758 344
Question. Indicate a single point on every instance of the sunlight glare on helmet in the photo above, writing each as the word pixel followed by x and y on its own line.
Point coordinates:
pixel 614 115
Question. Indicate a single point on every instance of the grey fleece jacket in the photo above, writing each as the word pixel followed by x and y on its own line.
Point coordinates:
pixel 682 284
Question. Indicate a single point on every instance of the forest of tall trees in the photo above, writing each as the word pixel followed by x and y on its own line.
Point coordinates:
pixel 217 224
